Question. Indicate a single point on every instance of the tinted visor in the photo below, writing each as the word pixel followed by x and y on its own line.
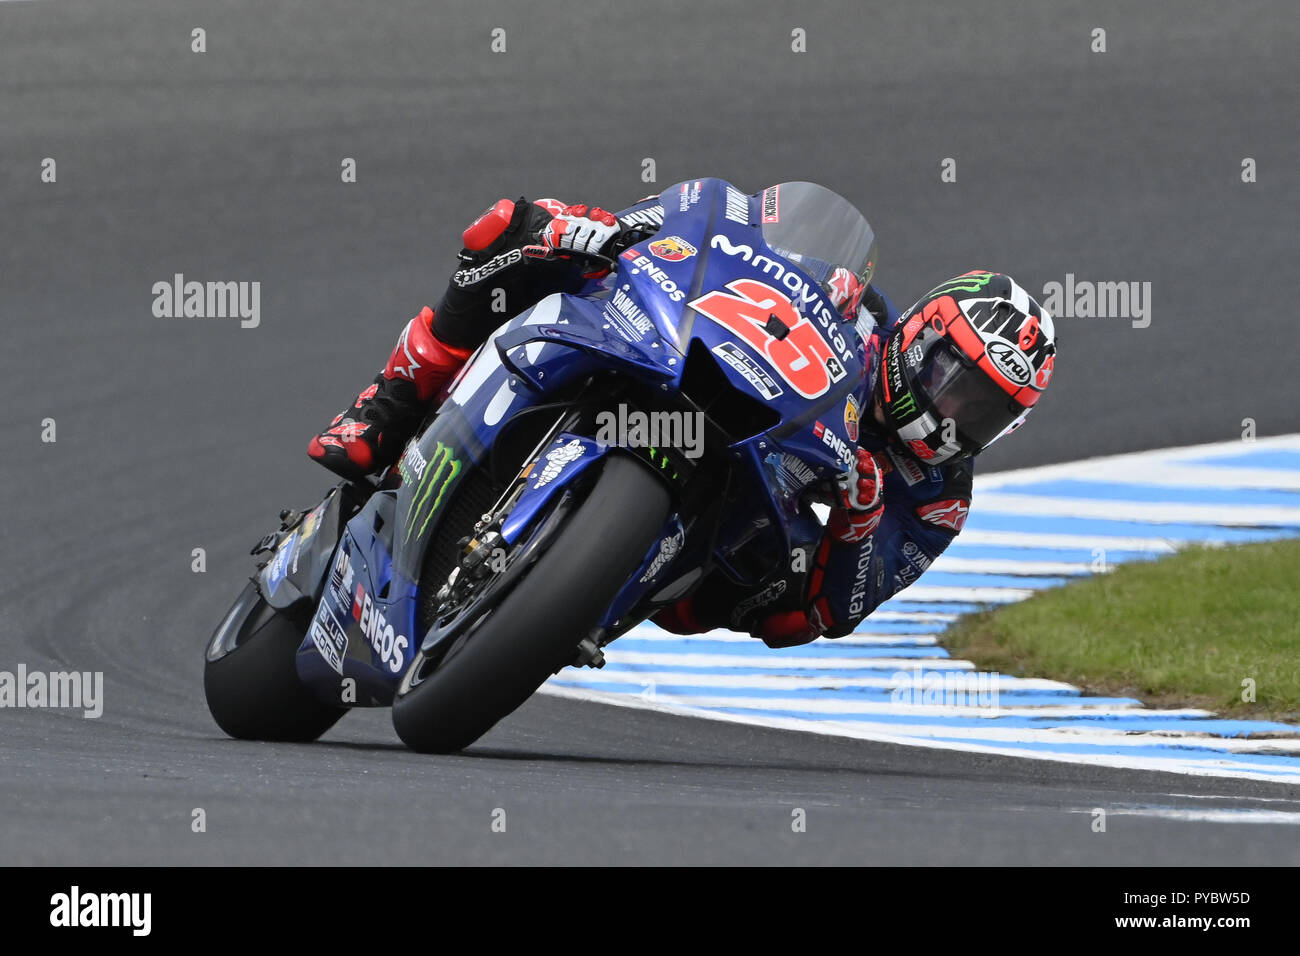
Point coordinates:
pixel 961 391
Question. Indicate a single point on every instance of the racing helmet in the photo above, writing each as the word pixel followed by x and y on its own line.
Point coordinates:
pixel 965 366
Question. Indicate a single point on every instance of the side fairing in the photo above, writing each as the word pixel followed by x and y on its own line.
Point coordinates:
pixel 361 637
pixel 297 569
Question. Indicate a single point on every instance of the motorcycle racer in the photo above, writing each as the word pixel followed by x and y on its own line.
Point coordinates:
pixel 964 366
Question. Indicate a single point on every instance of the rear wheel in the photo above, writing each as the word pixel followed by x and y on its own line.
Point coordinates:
pixel 445 704
pixel 250 679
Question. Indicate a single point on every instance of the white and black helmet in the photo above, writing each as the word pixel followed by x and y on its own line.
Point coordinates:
pixel 965 366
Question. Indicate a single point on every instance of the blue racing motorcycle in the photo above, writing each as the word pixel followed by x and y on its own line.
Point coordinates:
pixel 598 457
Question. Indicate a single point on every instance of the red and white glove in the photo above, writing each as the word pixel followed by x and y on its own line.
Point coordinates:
pixel 579 229
pixel 860 509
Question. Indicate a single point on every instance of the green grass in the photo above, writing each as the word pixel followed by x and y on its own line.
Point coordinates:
pixel 1184 631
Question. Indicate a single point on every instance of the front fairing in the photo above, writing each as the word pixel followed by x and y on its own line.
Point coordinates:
pixel 708 277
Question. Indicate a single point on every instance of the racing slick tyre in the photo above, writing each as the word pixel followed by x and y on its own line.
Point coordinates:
pixel 250 679
pixel 445 705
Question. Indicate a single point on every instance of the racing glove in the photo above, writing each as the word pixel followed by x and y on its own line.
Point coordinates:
pixel 581 229
pixel 860 507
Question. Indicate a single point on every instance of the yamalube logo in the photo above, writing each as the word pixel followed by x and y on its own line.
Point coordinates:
pixel 179 299
pixel 75 908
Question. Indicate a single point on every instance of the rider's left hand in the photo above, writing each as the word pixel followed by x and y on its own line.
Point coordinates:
pixel 860 508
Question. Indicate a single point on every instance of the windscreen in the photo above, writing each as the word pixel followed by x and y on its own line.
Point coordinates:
pixel 822 232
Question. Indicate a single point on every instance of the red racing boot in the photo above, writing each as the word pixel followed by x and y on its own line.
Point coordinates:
pixel 370 434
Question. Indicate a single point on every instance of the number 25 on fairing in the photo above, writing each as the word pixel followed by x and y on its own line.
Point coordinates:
pixel 801 357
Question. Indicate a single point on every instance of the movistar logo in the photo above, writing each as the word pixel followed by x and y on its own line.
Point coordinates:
pixel 963 284
pixel 438 476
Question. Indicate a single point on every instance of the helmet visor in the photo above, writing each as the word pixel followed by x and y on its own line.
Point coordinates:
pixel 962 392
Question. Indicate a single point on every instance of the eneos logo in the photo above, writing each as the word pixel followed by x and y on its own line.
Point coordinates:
pixel 389 645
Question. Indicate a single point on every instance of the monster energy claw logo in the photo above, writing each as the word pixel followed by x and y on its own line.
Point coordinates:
pixel 971 283
pixel 904 404
pixel 662 460
pixel 439 474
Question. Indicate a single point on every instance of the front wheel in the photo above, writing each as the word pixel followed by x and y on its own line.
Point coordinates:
pixel 445 705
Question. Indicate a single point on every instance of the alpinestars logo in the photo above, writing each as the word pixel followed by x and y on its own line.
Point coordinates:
pixel 407 371
pixel 950 513
pixel 439 474
pixel 464 277
pixel 753 602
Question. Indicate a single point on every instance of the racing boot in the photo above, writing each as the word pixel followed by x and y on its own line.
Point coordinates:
pixel 369 435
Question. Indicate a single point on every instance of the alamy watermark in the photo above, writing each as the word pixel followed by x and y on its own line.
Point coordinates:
pixel 944 688
pixel 75 908
pixel 179 299
pixel 633 428
pixel 1084 299
pixel 78 690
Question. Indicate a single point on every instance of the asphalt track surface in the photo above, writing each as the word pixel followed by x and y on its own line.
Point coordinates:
pixel 177 434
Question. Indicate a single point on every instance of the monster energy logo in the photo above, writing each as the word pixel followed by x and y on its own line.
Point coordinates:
pixel 904 404
pixel 963 284
pixel 662 461
pixel 438 476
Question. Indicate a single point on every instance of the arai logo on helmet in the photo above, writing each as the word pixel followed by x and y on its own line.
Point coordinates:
pixel 1009 361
